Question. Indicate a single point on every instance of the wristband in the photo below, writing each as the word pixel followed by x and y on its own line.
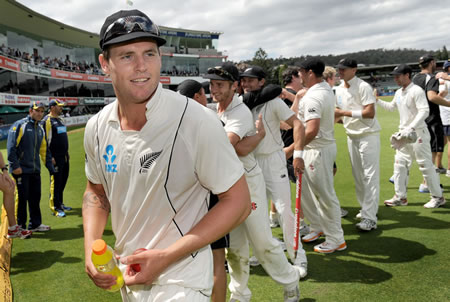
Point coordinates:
pixel 5 168
pixel 357 114
pixel 298 154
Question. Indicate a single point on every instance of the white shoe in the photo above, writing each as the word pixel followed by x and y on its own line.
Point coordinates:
pixel 292 294
pixel 327 247
pixel 395 201
pixel 302 268
pixel 448 173
pixel 304 230
pixel 273 220
pixel 344 212
pixel 366 225
pixel 312 236
pixel 358 216
pixel 423 188
pixel 41 228
pixel 435 202
pixel 253 261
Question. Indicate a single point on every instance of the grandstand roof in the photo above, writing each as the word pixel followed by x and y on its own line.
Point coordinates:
pixel 18 16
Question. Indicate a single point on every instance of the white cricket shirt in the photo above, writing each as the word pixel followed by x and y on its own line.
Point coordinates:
pixel 318 103
pixel 238 120
pixel 445 111
pixel 412 106
pixel 358 95
pixel 273 112
pixel 158 179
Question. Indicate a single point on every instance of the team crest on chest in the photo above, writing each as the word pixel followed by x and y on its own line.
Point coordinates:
pixel 147 160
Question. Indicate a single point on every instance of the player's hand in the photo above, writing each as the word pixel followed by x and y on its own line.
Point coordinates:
pixel 102 280
pixel 260 130
pixel 152 263
pixel 299 165
pixel 17 171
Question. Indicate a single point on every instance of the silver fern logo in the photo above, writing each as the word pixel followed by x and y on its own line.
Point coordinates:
pixel 147 160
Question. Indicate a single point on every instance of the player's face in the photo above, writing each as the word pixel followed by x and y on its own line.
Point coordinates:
pixel 222 91
pixel 251 84
pixel 201 97
pixel 402 80
pixel 134 70
pixel 58 110
pixel 347 73
pixel 305 76
pixel 37 114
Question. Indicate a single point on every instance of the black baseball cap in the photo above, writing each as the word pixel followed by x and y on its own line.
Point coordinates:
pixel 426 58
pixel 56 102
pixel 189 88
pixel 254 72
pixel 225 72
pixel 314 64
pixel 402 69
pixel 128 25
pixel 347 63
pixel 36 105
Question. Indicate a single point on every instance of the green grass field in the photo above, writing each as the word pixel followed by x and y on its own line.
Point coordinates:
pixel 405 259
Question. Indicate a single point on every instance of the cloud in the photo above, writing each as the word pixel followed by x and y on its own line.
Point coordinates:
pixel 284 28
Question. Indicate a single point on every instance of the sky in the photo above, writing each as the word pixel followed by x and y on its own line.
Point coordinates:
pixel 283 28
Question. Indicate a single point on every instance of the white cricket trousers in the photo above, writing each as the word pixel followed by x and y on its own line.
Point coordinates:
pixel 365 159
pixel 421 152
pixel 166 293
pixel 278 189
pixel 320 204
pixel 256 231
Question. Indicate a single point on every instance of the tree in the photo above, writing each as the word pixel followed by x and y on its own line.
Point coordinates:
pixel 444 53
pixel 261 59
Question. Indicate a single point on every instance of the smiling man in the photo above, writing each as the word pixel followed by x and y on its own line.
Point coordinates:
pixel 148 162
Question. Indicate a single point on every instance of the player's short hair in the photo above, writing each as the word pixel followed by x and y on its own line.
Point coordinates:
pixel 328 73
pixel 288 74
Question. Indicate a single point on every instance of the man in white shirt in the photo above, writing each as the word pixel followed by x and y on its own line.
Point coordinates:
pixel 271 157
pixel 444 89
pixel 319 201
pixel 413 108
pixel 255 230
pixel 356 106
pixel 148 162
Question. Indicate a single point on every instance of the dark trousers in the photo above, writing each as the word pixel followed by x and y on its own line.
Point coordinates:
pixel 58 182
pixel 29 191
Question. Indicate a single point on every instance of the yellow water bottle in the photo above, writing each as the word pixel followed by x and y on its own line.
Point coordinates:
pixel 103 260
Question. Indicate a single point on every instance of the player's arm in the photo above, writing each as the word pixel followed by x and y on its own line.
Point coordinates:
pixel 434 97
pixel 96 210
pixel 368 111
pixel 231 210
pixel 299 142
pixel 312 128
pixel 249 143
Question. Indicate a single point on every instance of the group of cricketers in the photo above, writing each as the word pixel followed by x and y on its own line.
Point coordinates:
pixel 154 156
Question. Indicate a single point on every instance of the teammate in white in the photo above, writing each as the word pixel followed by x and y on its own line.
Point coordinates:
pixel 255 230
pixel 413 108
pixel 147 163
pixel 272 159
pixel 319 201
pixel 356 104
pixel 444 89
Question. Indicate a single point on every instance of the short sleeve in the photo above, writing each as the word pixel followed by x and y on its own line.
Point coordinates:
pixel 366 93
pixel 312 108
pixel 217 165
pixel 90 166
pixel 282 110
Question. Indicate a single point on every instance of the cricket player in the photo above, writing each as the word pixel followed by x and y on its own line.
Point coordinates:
pixel 356 106
pixel 319 201
pixel 413 108
pixel 255 230
pixel 149 159
pixel 271 158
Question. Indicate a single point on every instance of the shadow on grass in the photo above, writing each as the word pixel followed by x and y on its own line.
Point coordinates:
pixel 74 212
pixel 62 234
pixel 27 262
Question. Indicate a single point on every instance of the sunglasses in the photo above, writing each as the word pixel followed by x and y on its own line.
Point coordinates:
pixel 221 72
pixel 128 25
